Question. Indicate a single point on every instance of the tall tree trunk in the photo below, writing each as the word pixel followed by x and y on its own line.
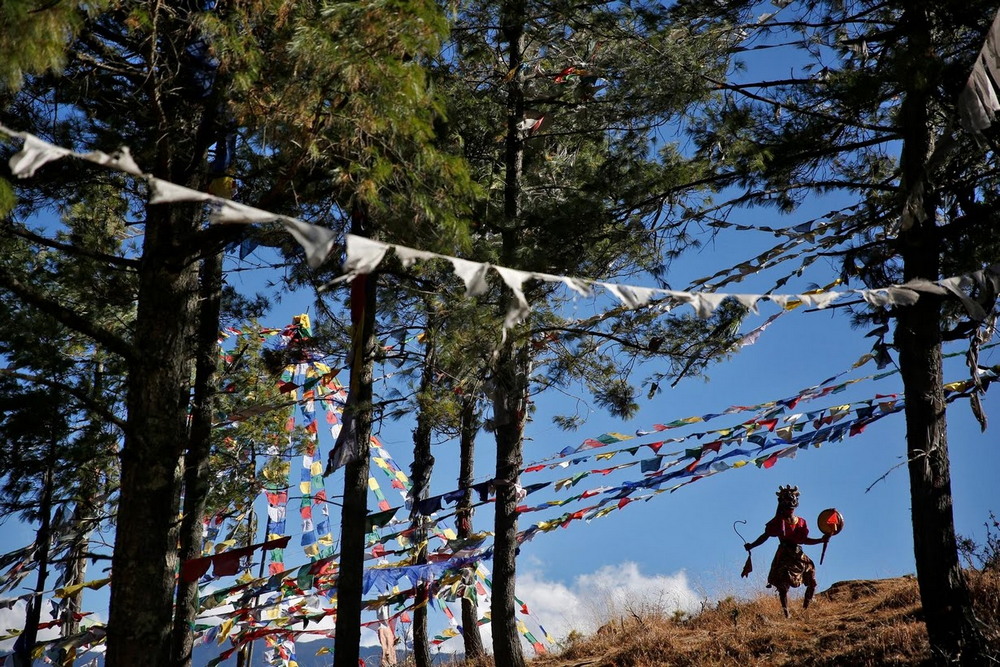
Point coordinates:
pixel 25 644
pixel 84 519
pixel 944 594
pixel 463 515
pixel 355 509
pixel 76 564
pixel 196 470
pixel 423 466
pixel 510 402
pixel 75 571
pixel 510 378
pixel 244 657
pixel 159 380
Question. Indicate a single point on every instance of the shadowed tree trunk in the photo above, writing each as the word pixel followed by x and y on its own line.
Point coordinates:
pixel 944 594
pixel 423 465
pixel 84 520
pixel 510 377
pixel 196 470
pixel 355 510
pixel 25 644
pixel 509 410
pixel 463 516
pixel 145 555
pixel 84 512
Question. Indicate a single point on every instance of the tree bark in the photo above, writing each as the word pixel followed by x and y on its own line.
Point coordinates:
pixel 944 594
pixel 355 509
pixel 510 377
pixel 25 644
pixel 196 469
pixel 423 466
pixel 84 519
pixel 510 400
pixel 951 624
pixel 159 380
pixel 463 515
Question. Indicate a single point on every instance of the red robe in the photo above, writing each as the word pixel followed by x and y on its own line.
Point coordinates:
pixel 791 567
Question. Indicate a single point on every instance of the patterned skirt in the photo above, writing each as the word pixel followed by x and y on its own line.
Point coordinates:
pixel 791 568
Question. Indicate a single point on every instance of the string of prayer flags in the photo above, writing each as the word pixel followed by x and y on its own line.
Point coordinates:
pixel 94 584
pixel 809 393
pixel 763 440
pixel 226 563
pixel 978 101
pixel 767 422
pixel 380 498
pixel 316 241
pixel 316 381
pixel 363 255
pixel 788 444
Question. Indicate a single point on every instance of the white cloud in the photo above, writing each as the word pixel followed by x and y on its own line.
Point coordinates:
pixel 601 596
pixel 589 601
pixel 13 619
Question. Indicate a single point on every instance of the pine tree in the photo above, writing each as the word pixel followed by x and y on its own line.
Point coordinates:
pixel 59 403
pixel 179 85
pixel 559 106
pixel 868 80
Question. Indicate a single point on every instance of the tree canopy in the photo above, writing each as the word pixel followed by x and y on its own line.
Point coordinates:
pixel 539 143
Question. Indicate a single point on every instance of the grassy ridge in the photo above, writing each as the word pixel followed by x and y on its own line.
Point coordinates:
pixel 872 622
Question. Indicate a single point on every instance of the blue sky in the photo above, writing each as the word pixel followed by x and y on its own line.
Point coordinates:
pixel 679 549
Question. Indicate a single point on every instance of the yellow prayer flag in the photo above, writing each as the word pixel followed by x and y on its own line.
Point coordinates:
pixel 224 546
pixel 66 591
pixel 224 630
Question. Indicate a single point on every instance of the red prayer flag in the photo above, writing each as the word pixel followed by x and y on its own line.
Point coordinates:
pixel 194 569
pixel 714 446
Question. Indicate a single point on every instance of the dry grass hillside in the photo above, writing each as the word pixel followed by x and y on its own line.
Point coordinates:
pixel 874 622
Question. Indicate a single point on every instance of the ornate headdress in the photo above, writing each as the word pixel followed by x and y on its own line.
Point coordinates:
pixel 788 496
